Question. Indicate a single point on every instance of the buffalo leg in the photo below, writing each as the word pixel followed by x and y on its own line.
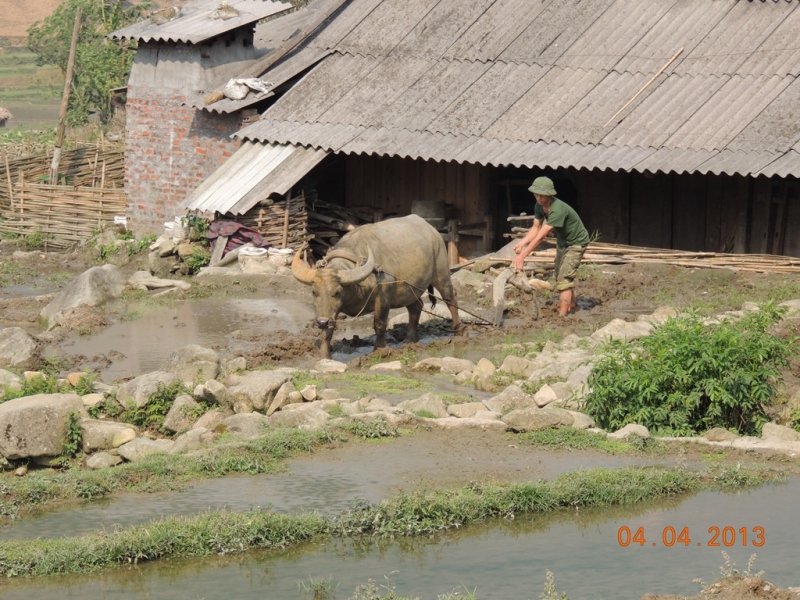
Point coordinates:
pixel 449 296
pixel 414 312
pixel 325 346
pixel 380 320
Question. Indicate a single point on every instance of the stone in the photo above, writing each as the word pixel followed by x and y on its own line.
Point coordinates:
pixel 433 363
pixel 718 434
pixel 779 432
pixel 465 411
pixel 456 365
pixel 9 380
pixel 191 440
pixel 100 435
pixel 659 316
pixel 36 425
pixel 560 366
pixel 581 421
pixel 182 414
pixel 484 366
pixel 92 400
pixel 618 329
pixel 537 419
pixel 234 366
pixel 465 377
pixel 450 423
pixel 256 388
pixel 309 393
pixel 545 396
pixel 75 378
pixel 214 271
pixel 137 449
pixel 309 419
pixel 750 307
pixel 194 362
pixel 511 398
pixel 211 391
pixel 518 365
pixel 431 403
pixel 93 287
pixel 330 366
pixel 143 280
pixel 139 389
pixel 211 419
pixel 469 278
pixel 579 378
pixel 18 350
pixel 328 394
pixel 792 307
pixel 123 437
pixel 21 471
pixel 248 425
pixel 162 267
pixel 283 397
pixel 483 381
pixel 103 460
pixel 392 366
pixel 351 408
pixel 630 429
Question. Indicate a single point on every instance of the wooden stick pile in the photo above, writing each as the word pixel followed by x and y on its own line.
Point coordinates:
pixel 599 253
pixel 269 219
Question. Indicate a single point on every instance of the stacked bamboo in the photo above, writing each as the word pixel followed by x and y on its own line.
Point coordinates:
pixel 599 253
pixel 329 222
pixel 62 214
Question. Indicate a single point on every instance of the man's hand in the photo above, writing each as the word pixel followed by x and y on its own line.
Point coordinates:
pixel 518 263
pixel 518 247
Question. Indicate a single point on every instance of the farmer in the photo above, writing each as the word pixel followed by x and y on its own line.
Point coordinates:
pixel 551 214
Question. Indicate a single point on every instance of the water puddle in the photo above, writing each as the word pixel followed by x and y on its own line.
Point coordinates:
pixel 504 559
pixel 145 337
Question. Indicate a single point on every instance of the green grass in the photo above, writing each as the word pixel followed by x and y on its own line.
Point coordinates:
pixel 358 385
pixel 420 513
pixel 568 438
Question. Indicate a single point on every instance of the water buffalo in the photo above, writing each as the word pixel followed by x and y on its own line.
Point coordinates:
pixel 404 257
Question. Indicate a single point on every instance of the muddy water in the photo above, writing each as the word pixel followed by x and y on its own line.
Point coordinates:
pixel 326 482
pixel 502 559
pixel 144 338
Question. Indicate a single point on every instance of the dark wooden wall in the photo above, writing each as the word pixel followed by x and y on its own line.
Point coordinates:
pixel 695 212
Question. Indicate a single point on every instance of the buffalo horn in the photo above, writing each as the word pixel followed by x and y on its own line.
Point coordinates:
pixel 353 276
pixel 301 271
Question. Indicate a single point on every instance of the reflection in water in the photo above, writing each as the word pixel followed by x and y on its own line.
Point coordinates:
pixel 502 558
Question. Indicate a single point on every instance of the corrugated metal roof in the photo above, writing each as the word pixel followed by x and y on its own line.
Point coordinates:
pixel 197 21
pixel 513 82
pixel 253 173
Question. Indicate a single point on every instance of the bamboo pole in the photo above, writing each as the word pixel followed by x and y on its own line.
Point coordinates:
pixel 62 115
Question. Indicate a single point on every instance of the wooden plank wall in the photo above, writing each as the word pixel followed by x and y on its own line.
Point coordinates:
pixel 695 212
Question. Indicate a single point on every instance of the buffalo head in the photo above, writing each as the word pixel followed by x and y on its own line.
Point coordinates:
pixel 329 286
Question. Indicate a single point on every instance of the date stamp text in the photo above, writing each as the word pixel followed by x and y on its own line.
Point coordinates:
pixel 669 536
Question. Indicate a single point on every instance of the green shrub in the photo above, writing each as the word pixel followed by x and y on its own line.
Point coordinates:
pixel 152 414
pixel 689 376
pixel 199 257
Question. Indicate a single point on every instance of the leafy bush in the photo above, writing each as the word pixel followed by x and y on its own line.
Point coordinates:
pixel 152 414
pixel 199 257
pixel 689 376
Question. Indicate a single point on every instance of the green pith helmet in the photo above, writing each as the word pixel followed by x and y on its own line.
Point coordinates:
pixel 543 186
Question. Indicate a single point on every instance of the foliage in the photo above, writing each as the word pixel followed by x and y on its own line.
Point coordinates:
pixel 74 436
pixel 199 257
pixel 141 244
pixel 38 384
pixel 689 376
pixel 424 414
pixel 197 227
pixel 34 241
pixel 549 592
pixel 85 384
pixel 100 64
pixel 108 250
pixel 320 589
pixel 151 415
pixel 370 430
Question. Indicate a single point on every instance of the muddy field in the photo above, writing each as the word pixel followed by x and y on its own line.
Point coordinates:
pixel 267 319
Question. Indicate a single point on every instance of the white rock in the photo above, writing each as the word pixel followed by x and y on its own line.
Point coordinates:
pixel 630 429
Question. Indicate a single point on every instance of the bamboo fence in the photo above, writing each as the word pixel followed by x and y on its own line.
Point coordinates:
pixel 599 253
pixel 93 194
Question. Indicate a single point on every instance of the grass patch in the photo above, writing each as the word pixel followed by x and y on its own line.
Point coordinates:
pixel 424 512
pixel 358 385
pixel 158 472
pixel 568 438
pixel 370 430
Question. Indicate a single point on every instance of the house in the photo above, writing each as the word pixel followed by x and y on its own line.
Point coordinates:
pixel 171 147
pixel 667 123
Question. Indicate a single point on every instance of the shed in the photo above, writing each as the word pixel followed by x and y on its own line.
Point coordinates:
pixel 666 123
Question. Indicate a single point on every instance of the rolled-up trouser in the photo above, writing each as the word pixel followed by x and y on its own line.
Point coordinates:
pixel 568 259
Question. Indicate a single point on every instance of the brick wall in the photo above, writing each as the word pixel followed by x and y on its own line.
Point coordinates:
pixel 170 150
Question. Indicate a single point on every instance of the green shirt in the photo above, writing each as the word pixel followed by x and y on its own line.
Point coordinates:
pixel 565 222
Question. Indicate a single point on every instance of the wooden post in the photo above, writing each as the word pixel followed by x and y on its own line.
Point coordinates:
pixel 62 115
pixel 286 220
pixel 10 183
pixel 452 241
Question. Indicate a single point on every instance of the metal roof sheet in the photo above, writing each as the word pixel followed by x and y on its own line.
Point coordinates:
pixel 511 82
pixel 784 166
pixel 197 23
pixel 253 173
